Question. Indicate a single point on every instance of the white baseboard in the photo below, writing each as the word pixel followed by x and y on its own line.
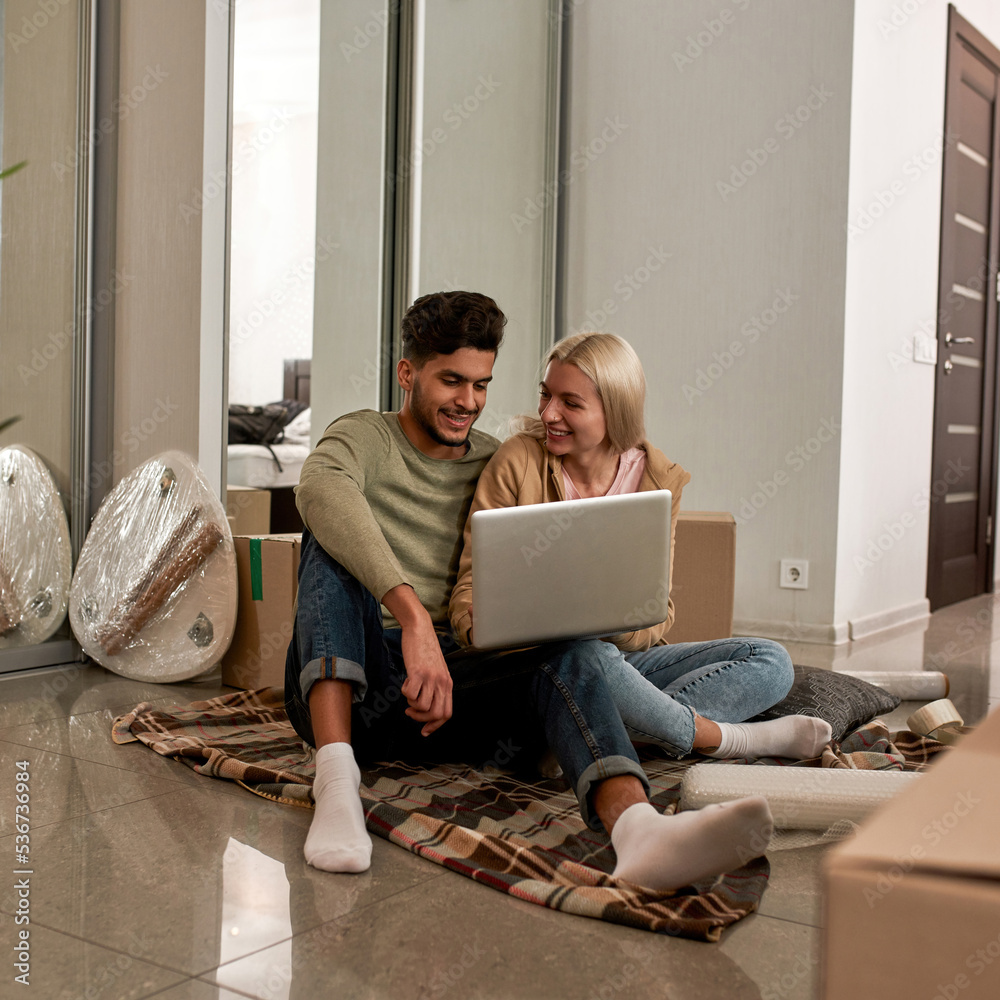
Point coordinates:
pixel 829 635
pixel 838 633
pixel 880 621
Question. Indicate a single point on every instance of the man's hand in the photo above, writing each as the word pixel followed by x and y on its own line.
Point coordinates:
pixel 428 683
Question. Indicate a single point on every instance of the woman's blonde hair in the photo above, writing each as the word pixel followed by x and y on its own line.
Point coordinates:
pixel 616 371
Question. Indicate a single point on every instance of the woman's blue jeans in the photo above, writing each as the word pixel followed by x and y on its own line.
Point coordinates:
pixel 658 691
pixel 506 706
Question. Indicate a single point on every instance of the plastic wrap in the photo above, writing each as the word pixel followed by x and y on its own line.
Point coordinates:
pixel 801 798
pixel 154 593
pixel 910 685
pixel 36 563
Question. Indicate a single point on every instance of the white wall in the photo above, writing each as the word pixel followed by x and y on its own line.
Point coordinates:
pixel 892 271
pixel 667 102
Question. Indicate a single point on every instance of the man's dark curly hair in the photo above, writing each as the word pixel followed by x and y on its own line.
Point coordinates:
pixel 444 322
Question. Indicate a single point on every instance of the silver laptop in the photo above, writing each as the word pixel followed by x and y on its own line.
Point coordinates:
pixel 575 568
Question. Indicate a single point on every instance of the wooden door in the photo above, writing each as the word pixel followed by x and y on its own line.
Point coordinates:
pixel 963 484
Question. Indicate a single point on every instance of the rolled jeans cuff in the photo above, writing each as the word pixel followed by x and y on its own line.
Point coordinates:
pixel 333 668
pixel 600 770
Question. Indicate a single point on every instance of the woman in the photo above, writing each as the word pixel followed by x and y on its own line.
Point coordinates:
pixel 589 442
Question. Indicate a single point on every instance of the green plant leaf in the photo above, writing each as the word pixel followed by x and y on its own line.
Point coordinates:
pixel 12 170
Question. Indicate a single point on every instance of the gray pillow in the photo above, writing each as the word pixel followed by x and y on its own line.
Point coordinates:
pixel 845 702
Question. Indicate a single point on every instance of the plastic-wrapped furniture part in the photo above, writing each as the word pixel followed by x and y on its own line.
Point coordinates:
pixel 154 593
pixel 36 564
pixel 801 798
pixel 910 685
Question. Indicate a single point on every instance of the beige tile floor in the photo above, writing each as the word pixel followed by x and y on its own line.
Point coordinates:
pixel 152 881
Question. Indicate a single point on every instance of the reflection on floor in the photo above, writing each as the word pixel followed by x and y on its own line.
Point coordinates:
pixel 149 880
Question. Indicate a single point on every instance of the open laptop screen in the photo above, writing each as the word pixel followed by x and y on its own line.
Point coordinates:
pixel 574 568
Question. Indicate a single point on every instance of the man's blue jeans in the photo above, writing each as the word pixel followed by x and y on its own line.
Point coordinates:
pixel 506 706
pixel 658 691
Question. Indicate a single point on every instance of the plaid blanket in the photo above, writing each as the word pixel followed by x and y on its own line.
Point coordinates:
pixel 525 838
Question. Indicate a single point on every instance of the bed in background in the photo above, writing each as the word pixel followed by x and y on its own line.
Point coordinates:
pixel 277 467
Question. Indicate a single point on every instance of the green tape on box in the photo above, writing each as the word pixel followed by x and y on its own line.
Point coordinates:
pixel 256 579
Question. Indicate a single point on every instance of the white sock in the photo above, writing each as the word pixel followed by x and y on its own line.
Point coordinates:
pixel 665 852
pixel 798 736
pixel 337 839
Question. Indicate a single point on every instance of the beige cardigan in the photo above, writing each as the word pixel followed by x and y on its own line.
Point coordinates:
pixel 522 472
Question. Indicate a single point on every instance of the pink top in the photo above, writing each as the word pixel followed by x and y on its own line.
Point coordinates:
pixel 631 465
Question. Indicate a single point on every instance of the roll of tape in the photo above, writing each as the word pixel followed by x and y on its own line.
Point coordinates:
pixel 927 719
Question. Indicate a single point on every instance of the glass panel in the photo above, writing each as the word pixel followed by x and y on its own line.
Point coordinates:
pixel 40 338
pixel 275 104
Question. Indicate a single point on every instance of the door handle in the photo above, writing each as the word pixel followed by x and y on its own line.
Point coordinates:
pixel 949 340
pixel 948 367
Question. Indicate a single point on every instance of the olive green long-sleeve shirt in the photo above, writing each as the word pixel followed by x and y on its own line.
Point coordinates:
pixel 385 511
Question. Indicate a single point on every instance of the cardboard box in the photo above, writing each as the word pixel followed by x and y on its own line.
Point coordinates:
pixel 913 901
pixel 704 578
pixel 267 568
pixel 248 510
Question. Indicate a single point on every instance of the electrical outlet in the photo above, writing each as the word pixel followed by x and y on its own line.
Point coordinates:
pixel 794 574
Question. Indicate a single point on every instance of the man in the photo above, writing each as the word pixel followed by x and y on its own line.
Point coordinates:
pixel 384 498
